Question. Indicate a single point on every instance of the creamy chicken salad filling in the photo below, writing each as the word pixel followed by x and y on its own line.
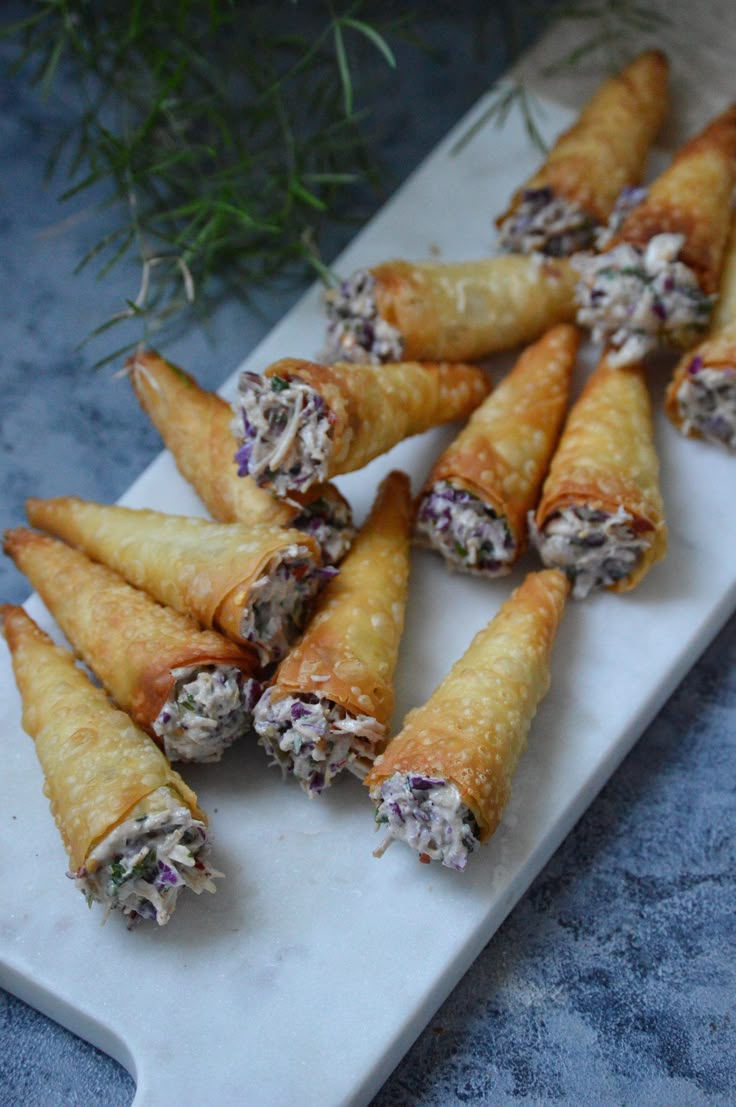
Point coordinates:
pixel 465 530
pixel 546 223
pixel 285 427
pixel 281 600
pixel 142 865
pixel 707 402
pixel 594 548
pixel 209 707
pixel 330 524
pixel 428 814
pixel 314 738
pixel 355 330
pixel 637 299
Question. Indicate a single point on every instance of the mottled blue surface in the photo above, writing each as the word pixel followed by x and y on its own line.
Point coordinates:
pixel 612 982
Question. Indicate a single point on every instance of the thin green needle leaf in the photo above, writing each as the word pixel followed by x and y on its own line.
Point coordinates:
pixel 373 36
pixel 344 70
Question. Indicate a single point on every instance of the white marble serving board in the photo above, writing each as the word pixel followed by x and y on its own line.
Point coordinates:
pixel 309 974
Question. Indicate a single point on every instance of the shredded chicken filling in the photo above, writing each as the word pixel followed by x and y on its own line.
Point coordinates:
pixel 285 428
pixel 209 707
pixel 428 814
pixel 594 548
pixel 548 224
pixel 314 738
pixel 355 330
pixel 636 300
pixel 707 401
pixel 465 530
pixel 330 523
pixel 144 863
pixel 280 601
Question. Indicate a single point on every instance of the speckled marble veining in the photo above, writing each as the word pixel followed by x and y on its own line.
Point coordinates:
pixel 612 981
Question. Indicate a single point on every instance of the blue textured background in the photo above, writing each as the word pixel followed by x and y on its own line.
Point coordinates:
pixel 612 982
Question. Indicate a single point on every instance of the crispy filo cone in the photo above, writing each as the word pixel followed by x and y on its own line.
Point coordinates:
pixel 442 783
pixel 601 516
pixel 331 700
pixel 304 422
pixel 701 397
pixel 106 781
pixel 588 166
pixel 473 507
pixel 218 573
pixel 135 647
pixel 453 311
pixel 196 426
pixel 655 281
pixel 692 197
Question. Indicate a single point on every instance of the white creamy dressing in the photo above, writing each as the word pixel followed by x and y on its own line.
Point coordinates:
pixel 707 402
pixel 287 433
pixel 280 601
pixel 209 707
pixel 593 547
pixel 355 330
pixel 636 299
pixel 469 535
pixel 433 820
pixel 314 738
pixel 146 861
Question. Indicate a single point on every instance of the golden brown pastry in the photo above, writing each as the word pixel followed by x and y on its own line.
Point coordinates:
pixel 449 311
pixel 601 517
pixel 574 192
pixel 654 283
pixel 132 828
pixel 255 585
pixel 192 690
pixel 196 427
pixel 701 397
pixel 442 784
pixel 330 702
pixel 473 508
pixel 304 422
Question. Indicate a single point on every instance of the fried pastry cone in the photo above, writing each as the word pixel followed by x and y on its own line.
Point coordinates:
pixel 193 691
pixel 559 209
pixel 442 784
pixel 196 427
pixel 701 397
pixel 656 280
pixel 473 507
pixel 332 697
pixel 447 311
pixel 601 517
pixel 304 422
pixel 255 585
pixel 132 828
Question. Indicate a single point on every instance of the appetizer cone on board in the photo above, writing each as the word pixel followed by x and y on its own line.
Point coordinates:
pixel 304 422
pixel 451 311
pixel 330 702
pixel 601 517
pixel 442 784
pixel 255 585
pixel 701 397
pixel 560 207
pixel 193 691
pixel 132 828
pixel 196 427
pixel 473 508
pixel 655 282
